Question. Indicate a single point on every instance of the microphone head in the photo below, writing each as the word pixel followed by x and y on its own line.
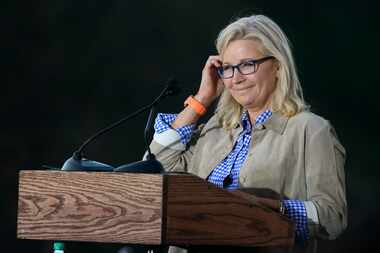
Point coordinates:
pixel 82 164
pixel 172 88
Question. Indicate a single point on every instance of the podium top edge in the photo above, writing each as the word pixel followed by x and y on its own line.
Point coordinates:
pixel 102 172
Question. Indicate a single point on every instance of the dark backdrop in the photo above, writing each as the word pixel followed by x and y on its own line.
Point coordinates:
pixel 73 67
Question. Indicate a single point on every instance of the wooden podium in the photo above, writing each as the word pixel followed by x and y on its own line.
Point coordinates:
pixel 152 209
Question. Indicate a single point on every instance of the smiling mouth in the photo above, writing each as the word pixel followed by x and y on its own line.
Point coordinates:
pixel 244 88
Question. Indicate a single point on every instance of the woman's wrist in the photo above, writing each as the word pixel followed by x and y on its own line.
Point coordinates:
pixel 205 101
pixel 194 104
pixel 190 114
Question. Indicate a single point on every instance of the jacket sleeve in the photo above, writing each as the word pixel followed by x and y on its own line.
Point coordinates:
pixel 325 180
pixel 174 155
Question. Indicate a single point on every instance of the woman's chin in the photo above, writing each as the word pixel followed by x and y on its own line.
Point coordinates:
pixel 248 105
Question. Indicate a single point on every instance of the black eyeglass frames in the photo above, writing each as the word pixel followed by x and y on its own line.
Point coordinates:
pixel 245 68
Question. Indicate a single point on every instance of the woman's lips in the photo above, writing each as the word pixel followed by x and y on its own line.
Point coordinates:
pixel 243 88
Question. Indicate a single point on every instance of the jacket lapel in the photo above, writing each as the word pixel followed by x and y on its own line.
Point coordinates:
pixel 226 143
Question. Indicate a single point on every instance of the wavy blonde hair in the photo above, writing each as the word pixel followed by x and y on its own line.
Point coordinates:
pixel 287 97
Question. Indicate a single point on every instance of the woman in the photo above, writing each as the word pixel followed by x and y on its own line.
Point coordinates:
pixel 262 134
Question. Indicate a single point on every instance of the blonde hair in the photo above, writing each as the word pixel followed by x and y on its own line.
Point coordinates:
pixel 287 97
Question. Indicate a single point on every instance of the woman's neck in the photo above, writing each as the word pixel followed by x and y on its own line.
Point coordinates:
pixel 253 114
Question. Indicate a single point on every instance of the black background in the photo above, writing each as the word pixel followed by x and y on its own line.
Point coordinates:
pixel 70 68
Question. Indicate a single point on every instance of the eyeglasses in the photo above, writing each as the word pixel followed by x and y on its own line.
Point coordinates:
pixel 245 68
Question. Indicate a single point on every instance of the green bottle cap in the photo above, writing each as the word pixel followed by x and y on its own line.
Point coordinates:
pixel 59 246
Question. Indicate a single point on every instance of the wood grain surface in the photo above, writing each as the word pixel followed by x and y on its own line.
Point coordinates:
pixel 199 213
pixel 90 206
pixel 153 209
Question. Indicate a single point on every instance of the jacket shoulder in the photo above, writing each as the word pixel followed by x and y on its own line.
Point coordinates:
pixel 308 120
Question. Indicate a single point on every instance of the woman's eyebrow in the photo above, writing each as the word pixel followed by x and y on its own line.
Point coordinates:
pixel 240 61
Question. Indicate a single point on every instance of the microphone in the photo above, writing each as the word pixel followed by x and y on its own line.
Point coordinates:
pixel 79 163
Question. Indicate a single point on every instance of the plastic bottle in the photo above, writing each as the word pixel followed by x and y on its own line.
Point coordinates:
pixel 59 247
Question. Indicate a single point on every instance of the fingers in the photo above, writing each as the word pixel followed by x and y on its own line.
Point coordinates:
pixel 210 86
pixel 213 61
pixel 210 68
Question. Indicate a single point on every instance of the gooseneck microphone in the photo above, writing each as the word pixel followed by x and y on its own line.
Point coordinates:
pixel 79 163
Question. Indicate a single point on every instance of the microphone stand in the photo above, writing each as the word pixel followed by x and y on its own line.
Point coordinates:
pixel 150 165
pixel 78 163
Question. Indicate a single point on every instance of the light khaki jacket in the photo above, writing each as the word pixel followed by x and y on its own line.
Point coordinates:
pixel 299 157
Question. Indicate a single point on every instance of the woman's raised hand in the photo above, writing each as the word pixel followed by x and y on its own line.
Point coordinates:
pixel 211 85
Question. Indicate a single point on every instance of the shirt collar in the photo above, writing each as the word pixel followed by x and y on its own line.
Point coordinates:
pixel 271 120
pixel 245 123
pixel 264 116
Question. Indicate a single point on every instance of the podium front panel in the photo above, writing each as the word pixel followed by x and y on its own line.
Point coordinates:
pixel 90 206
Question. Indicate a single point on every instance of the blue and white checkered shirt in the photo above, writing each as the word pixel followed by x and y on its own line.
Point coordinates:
pixel 226 174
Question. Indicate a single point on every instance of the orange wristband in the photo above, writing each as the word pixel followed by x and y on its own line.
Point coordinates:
pixel 197 106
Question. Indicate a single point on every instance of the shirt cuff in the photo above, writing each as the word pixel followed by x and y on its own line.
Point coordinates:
pixel 311 211
pixel 170 138
pixel 163 122
pixel 296 211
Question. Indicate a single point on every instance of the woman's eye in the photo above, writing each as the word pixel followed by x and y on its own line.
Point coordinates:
pixel 248 64
pixel 226 68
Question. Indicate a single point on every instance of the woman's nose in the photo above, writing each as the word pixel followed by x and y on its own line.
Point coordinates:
pixel 237 77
